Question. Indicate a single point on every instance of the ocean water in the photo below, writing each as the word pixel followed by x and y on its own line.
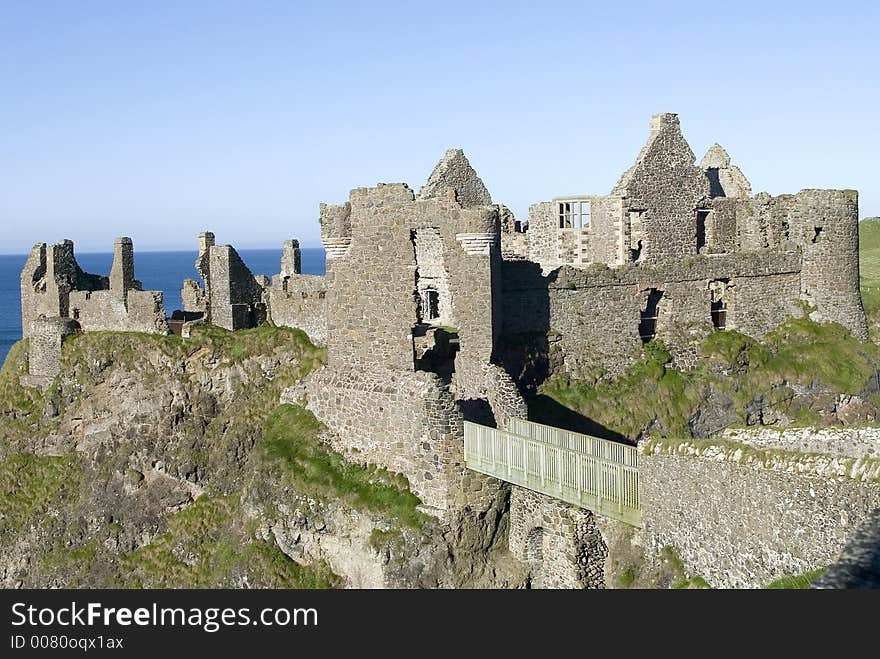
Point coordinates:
pixel 158 271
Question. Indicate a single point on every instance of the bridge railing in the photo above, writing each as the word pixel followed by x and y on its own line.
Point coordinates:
pixel 586 471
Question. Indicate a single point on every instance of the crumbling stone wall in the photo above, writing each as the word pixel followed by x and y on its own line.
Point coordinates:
pixel 725 179
pixel 53 284
pixel 664 210
pixel 601 241
pixel 826 226
pixel 232 296
pixel 125 307
pixel 665 183
pixel 741 525
pixel 593 314
pixel 45 338
pixel 454 172
pixel 385 249
pixel 406 421
pixel 47 279
pixel 432 277
pixel 372 301
pixel 561 543
pixel 298 300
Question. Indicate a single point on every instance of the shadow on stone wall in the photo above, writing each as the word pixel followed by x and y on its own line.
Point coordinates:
pixel 859 563
pixel 524 346
pixel 543 409
pixel 477 410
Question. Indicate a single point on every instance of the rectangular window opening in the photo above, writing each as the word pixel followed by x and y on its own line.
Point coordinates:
pixel 702 216
pixel 649 316
pixel 574 214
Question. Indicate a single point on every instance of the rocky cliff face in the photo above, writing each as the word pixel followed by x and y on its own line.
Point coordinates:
pixel 162 462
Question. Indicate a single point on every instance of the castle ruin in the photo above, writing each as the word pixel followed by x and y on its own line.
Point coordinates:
pixel 440 307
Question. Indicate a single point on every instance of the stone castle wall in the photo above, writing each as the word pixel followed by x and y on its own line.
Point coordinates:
pixel 300 301
pixel 740 525
pixel 138 311
pixel 45 339
pixel 594 313
pixel 406 421
pixel 50 274
pixel 53 286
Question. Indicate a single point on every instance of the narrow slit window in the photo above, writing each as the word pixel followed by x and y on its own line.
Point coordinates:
pixel 432 304
pixel 649 316
pixel 702 217
pixel 719 314
pixel 720 291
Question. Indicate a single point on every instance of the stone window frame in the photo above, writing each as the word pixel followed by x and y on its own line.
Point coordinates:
pixel 573 213
pixel 703 218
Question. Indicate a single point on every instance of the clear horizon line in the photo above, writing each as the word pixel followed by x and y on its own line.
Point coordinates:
pixel 160 251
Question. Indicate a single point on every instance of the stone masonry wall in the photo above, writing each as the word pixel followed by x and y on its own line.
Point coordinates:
pixel 300 301
pixel 138 311
pixel 432 275
pixel 372 305
pixel 593 314
pixel 599 242
pixel 543 235
pixel 235 298
pixel 826 225
pixel 47 279
pixel 45 339
pixel 739 525
pixel 125 307
pixel 561 543
pixel 407 421
pixel 665 182
pixel 397 245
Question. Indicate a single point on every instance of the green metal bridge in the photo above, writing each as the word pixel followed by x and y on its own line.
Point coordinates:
pixel 586 471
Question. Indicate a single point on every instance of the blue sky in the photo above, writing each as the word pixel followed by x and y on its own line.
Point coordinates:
pixel 158 120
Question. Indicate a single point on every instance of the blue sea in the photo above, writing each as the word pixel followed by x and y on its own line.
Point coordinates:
pixel 158 271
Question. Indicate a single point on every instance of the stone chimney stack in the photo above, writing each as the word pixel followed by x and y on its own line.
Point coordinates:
pixel 206 241
pixel 122 272
pixel 291 259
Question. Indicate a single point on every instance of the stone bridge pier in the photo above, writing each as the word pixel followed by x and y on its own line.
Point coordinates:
pixel 560 542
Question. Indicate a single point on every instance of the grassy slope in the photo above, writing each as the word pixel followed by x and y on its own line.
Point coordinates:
pixel 211 543
pixel 652 396
pixel 796 582
pixel 291 441
pixel 869 268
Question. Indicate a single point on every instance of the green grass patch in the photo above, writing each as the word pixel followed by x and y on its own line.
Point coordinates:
pixel 654 398
pixel 649 393
pixel 97 349
pixel 796 581
pixel 681 580
pixel 206 546
pixel 29 484
pixel 291 440
pixel 21 408
pixel 869 271
pixel 627 578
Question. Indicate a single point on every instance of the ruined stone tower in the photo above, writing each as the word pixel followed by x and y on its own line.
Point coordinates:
pixel 412 317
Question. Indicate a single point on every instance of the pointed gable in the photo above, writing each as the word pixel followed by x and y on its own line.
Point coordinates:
pixel 665 187
pixel 725 179
pixel 454 172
